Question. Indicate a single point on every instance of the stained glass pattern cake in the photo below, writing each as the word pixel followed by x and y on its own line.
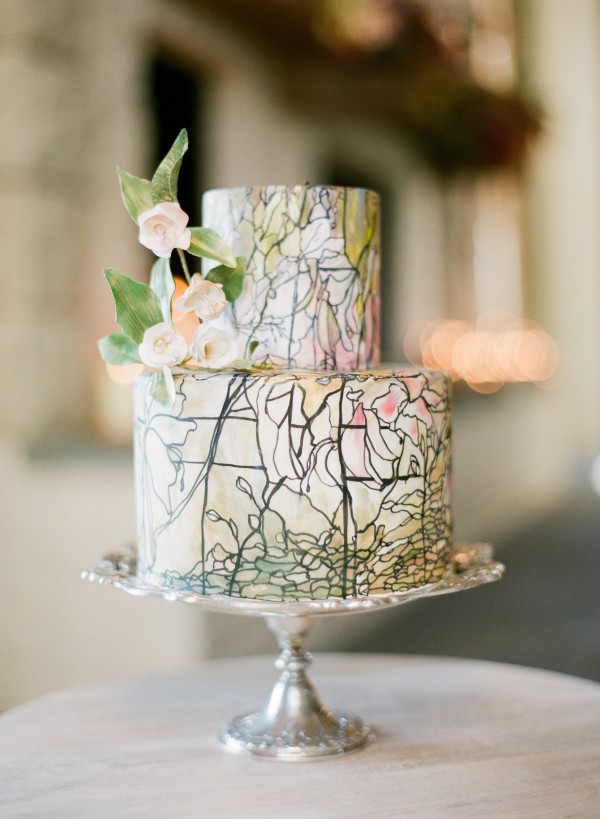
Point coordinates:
pixel 314 475
pixel 311 292
pixel 290 485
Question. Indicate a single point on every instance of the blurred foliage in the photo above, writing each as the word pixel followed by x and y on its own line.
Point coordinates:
pixel 406 74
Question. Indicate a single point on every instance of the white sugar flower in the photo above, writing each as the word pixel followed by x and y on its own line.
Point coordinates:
pixel 162 346
pixel 163 228
pixel 206 299
pixel 213 348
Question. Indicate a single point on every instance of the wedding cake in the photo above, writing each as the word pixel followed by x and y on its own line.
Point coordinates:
pixel 322 477
pixel 275 459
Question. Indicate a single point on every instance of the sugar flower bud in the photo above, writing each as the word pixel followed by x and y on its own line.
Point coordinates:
pixel 163 228
pixel 162 346
pixel 213 347
pixel 205 299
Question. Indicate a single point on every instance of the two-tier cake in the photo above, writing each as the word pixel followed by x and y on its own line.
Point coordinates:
pixel 314 474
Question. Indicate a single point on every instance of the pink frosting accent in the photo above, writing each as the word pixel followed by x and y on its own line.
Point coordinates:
pixel 387 409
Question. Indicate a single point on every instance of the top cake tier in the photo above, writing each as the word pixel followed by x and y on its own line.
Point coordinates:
pixel 311 293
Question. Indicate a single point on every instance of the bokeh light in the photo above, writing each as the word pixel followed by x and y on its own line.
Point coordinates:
pixel 484 356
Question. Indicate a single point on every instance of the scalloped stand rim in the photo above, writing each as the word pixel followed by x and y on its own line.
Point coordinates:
pixel 470 566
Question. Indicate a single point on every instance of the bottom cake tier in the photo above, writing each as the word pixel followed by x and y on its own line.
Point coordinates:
pixel 285 485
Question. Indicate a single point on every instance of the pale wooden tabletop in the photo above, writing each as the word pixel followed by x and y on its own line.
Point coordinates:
pixel 456 738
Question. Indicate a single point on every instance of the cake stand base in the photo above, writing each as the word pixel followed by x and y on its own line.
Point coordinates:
pixel 294 725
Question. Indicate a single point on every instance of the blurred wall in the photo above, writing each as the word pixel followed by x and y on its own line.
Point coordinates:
pixel 562 64
pixel 73 106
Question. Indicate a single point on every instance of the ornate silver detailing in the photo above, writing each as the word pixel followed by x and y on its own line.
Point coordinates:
pixel 294 725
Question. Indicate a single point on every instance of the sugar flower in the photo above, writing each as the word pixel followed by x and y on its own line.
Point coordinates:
pixel 162 346
pixel 163 228
pixel 213 348
pixel 206 299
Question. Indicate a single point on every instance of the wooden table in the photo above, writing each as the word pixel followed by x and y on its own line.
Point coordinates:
pixel 456 738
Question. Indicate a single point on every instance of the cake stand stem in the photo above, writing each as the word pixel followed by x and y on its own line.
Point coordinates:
pixel 294 725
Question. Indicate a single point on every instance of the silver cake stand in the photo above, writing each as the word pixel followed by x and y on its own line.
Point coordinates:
pixel 294 725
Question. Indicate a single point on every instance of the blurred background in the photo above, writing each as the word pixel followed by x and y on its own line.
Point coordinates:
pixel 479 123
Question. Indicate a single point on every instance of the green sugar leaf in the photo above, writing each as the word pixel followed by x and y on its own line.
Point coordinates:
pixel 136 193
pixel 207 242
pixel 232 278
pixel 164 181
pixel 163 284
pixel 162 387
pixel 136 305
pixel 117 348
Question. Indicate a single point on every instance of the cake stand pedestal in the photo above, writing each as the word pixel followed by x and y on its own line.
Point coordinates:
pixel 294 725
